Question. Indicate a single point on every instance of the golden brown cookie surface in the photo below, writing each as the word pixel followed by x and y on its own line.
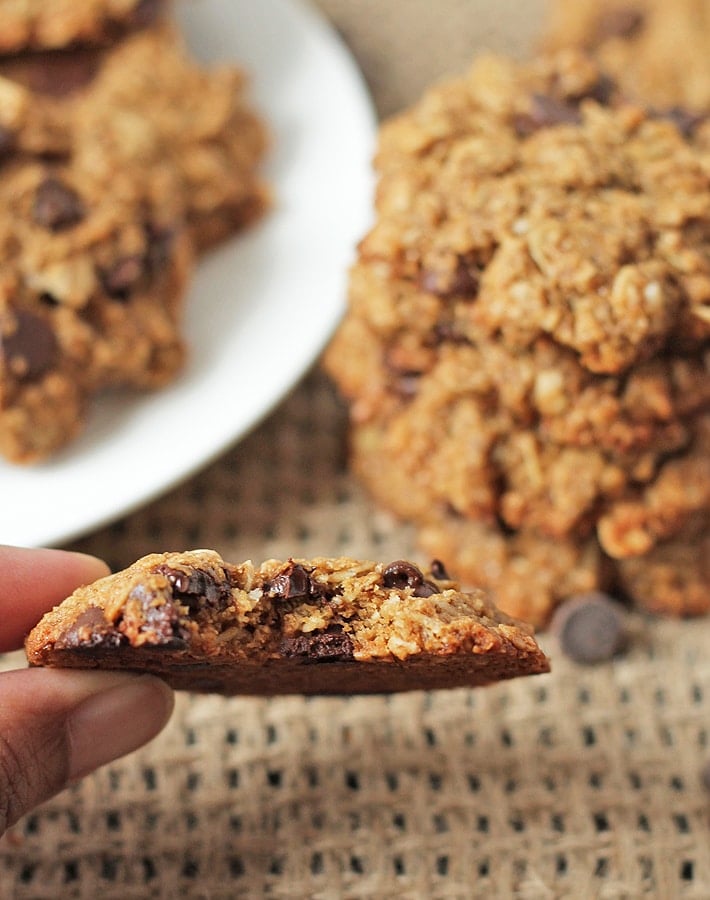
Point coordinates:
pixel 319 626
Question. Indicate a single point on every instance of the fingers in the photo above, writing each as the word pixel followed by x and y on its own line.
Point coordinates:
pixel 56 726
pixel 32 581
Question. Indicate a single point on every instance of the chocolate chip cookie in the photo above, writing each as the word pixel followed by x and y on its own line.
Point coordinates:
pixel 657 49
pixel 91 284
pixel 145 103
pixel 526 353
pixel 51 24
pixel 319 626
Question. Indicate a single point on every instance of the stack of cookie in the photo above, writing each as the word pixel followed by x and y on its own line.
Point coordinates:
pixel 526 354
pixel 121 159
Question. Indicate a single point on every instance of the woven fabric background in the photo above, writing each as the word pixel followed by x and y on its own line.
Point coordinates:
pixel 585 783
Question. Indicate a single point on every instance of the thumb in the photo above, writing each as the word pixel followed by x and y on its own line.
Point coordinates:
pixel 59 725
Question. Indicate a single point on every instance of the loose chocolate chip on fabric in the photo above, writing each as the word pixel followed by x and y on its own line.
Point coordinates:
pixel 590 627
pixel 401 574
pixel 56 205
pixel 120 278
pixel 546 112
pixel 318 647
pixel 438 570
pixel 28 346
pixel 292 584
pixel 623 22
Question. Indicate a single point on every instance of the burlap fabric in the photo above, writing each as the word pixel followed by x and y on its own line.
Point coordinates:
pixel 586 783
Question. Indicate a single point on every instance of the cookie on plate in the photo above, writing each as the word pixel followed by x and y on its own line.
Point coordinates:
pixel 52 24
pixel 91 284
pixel 525 353
pixel 145 103
pixel 657 49
pixel 319 626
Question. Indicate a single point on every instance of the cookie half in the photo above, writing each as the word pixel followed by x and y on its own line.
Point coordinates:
pixel 318 626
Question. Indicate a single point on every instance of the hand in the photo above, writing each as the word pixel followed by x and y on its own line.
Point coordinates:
pixel 58 725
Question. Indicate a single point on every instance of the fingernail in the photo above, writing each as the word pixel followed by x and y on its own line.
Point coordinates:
pixel 116 721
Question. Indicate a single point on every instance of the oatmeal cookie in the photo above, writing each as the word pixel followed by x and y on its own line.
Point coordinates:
pixel 657 49
pixel 91 286
pixel 526 353
pixel 320 626
pixel 50 24
pixel 146 104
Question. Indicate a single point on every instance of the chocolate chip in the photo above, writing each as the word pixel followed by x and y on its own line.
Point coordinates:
pixel 160 242
pixel 90 630
pixel 462 282
pixel 292 584
pixel 684 120
pixel 7 140
pixel 196 586
pixel 602 91
pixel 28 346
pixel 590 627
pixel 426 589
pixel 438 570
pixel 161 621
pixel 146 12
pixel 55 73
pixel 120 278
pixel 623 22
pixel 56 205
pixel 546 112
pixel 401 574
pixel 332 645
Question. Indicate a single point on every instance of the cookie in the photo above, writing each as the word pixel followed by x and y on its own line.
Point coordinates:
pixel 91 285
pixel 525 352
pixel 51 24
pixel 320 626
pixel 657 49
pixel 145 103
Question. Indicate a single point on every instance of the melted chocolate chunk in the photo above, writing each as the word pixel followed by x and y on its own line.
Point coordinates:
pixel 91 630
pixel 196 586
pixel 120 279
pixel 28 346
pixel 292 584
pixel 426 589
pixel 56 205
pixel 402 574
pixel 546 112
pixel 161 622
pixel 332 645
pixel 623 22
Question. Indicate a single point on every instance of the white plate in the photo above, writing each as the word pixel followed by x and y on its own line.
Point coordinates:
pixel 261 307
